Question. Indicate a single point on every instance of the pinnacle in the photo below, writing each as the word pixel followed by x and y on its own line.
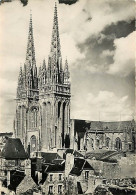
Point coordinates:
pixel 66 64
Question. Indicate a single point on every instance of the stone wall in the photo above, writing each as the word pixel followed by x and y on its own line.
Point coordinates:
pixel 55 183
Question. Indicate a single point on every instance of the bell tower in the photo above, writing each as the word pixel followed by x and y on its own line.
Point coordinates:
pixel 27 108
pixel 54 96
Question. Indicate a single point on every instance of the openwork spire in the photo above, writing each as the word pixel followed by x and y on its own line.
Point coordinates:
pixel 30 54
pixel 55 41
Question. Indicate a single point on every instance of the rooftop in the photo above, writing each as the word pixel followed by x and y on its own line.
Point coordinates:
pixel 79 165
pixel 13 150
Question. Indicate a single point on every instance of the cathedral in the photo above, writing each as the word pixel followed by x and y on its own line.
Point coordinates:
pixel 42 120
pixel 43 97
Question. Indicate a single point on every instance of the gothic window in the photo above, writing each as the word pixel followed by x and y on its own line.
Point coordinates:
pixel 33 118
pixel 107 142
pixel 33 143
pixel 55 135
pixel 67 141
pixel 19 121
pixel 59 106
pixel 97 142
pixel 118 144
pixel 92 143
pixel 63 123
pixel 48 114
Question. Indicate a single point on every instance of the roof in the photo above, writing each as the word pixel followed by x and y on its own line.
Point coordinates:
pixel 16 178
pixel 81 126
pixel 118 125
pixel 74 152
pixel 58 161
pixel 6 134
pixel 56 167
pixel 104 155
pixel 26 186
pixel 79 166
pixel 49 157
pixel 13 150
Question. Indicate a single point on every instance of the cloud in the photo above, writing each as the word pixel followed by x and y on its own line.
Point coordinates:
pixel 106 53
pixel 81 23
pixel 105 106
pixel 124 57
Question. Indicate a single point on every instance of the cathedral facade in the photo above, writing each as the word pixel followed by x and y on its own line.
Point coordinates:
pixel 42 118
pixel 43 98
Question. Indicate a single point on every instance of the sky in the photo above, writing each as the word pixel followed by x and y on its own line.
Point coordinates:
pixel 98 39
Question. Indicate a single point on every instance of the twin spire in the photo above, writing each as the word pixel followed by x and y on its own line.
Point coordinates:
pixel 55 41
pixel 54 73
pixel 30 53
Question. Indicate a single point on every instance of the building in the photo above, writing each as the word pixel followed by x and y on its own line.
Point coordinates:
pixel 43 108
pixel 96 135
pixel 43 99
pixel 12 163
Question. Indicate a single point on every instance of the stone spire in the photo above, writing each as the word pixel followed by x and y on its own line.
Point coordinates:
pixel 30 69
pixel 30 54
pixel 55 41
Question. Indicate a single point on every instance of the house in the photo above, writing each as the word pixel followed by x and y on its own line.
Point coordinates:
pixel 55 178
pixel 12 163
pixel 81 172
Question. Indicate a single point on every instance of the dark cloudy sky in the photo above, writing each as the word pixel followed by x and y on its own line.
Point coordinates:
pixel 98 39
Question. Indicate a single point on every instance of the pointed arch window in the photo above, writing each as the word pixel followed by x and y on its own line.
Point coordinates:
pixel 107 142
pixel 33 144
pixel 118 144
pixel 33 118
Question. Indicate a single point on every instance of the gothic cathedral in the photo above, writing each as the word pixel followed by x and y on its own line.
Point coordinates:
pixel 43 99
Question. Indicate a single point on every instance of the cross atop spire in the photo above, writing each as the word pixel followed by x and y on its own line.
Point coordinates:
pixel 55 41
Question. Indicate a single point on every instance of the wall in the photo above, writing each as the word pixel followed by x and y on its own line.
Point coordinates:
pixel 98 140
pixel 128 165
pixel 55 182
pixel 83 181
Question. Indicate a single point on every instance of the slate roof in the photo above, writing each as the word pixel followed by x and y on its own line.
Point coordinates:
pixel 16 178
pixel 81 126
pixel 79 166
pixel 56 167
pixel 49 157
pixel 13 150
pixel 6 134
pixel 58 161
pixel 119 125
pixel 74 152
pixel 104 155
